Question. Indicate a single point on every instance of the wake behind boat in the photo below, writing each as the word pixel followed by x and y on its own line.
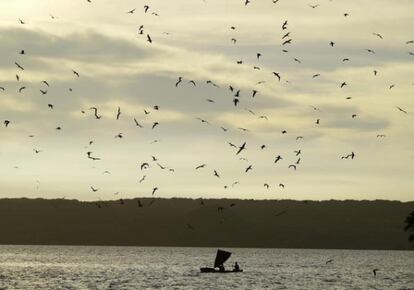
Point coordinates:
pixel 221 258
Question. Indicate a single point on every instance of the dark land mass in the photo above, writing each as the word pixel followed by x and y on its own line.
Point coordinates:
pixel 218 223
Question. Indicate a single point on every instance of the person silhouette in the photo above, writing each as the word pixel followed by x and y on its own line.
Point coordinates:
pixel 221 268
pixel 236 267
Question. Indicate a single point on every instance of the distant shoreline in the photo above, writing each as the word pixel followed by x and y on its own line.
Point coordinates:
pixel 202 198
pixel 227 223
pixel 201 247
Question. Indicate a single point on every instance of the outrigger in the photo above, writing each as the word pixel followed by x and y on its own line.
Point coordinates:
pixel 221 258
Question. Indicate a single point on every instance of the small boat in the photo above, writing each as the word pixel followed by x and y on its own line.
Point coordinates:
pixel 221 258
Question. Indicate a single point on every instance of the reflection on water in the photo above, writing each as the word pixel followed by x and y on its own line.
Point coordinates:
pixel 65 267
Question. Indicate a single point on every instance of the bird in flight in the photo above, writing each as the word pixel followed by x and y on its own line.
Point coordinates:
pixel 216 174
pixel 118 114
pixel 200 166
pixel 202 120
pixel 250 167
pixel 276 74
pixel 289 41
pixel 18 65
pixel 89 154
pixel 144 165
pixel 142 179
pixel 95 112
pixel 278 158
pixel 180 79
pixel 401 110
pixel 154 125
pixel 241 148
pixel 292 166
pixel 377 34
pixel 351 155
pixel 137 124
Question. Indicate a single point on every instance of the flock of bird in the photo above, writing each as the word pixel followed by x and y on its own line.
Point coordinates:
pixel 293 161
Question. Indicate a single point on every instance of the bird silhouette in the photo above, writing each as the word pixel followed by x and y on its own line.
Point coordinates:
pixel 241 148
pixel 118 114
pixel 180 79
pixel 154 125
pixel 377 34
pixel 200 166
pixel 216 174
pixel 18 65
pixel 278 158
pixel 401 110
pixel 277 75
pixel 144 165
pixel 95 112
pixel 137 124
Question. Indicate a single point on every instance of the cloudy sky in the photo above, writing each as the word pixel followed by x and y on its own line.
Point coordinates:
pixel 192 39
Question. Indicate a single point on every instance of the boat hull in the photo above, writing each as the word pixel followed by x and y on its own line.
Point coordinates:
pixel 213 270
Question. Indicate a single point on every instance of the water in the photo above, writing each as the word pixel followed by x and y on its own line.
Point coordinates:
pixel 66 267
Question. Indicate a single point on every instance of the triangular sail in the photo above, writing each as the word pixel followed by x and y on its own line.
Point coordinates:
pixel 221 257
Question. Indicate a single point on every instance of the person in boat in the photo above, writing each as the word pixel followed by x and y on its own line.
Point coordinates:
pixel 236 267
pixel 221 268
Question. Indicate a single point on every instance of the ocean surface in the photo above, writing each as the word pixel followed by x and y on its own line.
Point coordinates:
pixel 84 267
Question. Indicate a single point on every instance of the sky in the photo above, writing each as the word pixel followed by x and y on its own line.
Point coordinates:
pixel 192 39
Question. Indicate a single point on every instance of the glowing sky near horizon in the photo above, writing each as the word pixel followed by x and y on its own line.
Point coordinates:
pixel 192 39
